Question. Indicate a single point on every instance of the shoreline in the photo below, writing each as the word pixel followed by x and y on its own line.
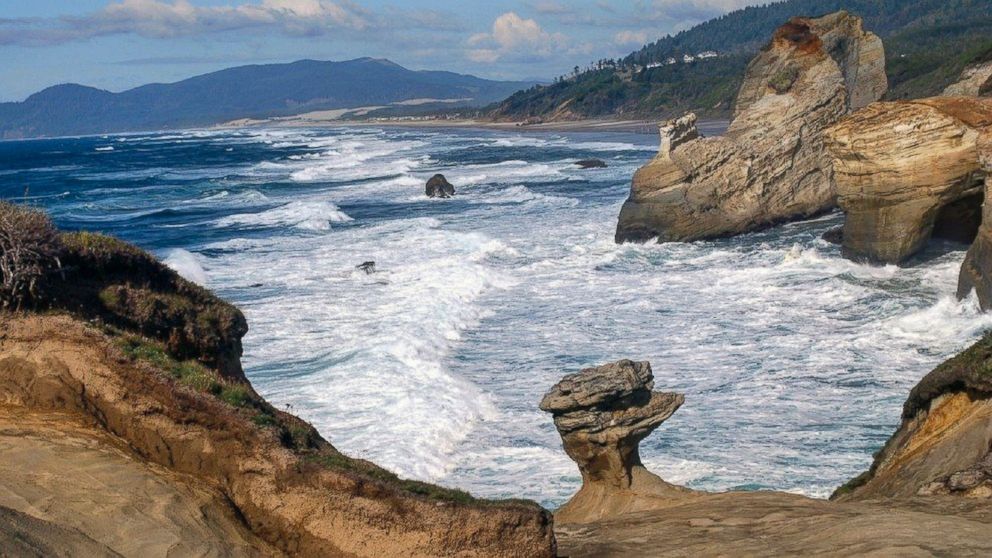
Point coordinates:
pixel 710 127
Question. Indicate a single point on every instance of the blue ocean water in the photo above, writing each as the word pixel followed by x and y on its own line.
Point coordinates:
pixel 794 361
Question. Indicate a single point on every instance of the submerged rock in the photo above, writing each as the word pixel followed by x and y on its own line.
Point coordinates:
pixel 602 414
pixel 770 166
pixel 367 267
pixel 906 171
pixel 439 187
pixel 591 164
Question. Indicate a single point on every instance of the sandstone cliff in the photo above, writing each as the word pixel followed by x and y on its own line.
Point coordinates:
pixel 130 374
pixel 908 170
pixel 770 166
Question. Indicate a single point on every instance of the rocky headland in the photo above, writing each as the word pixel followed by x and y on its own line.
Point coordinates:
pixel 117 369
pixel 770 166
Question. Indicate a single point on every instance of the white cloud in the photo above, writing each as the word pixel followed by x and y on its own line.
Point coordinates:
pixel 513 37
pixel 628 37
pixel 173 18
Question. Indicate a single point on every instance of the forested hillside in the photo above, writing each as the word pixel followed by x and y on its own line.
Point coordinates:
pixel 928 43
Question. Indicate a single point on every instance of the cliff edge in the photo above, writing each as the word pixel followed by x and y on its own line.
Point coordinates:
pixel 117 369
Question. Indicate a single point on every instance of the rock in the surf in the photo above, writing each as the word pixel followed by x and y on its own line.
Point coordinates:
pixel 909 170
pixel 770 166
pixel 591 164
pixel 439 187
pixel 602 414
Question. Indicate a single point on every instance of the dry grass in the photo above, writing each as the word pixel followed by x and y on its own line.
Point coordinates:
pixel 29 250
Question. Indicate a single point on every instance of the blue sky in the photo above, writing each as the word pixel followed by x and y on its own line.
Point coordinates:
pixel 117 44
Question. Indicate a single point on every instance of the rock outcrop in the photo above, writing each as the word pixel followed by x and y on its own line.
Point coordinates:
pixel 107 363
pixel 944 444
pixel 602 414
pixel 976 81
pixel 439 187
pixel 908 170
pixel 770 166
pixel 976 270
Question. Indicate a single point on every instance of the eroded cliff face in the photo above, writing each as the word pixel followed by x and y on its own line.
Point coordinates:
pixel 148 364
pixel 944 445
pixel 291 488
pixel 908 170
pixel 770 166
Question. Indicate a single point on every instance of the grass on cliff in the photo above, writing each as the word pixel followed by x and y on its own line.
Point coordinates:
pixel 194 375
pixel 296 437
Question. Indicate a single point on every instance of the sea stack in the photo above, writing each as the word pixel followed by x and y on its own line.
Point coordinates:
pixel 439 187
pixel 909 170
pixel 602 414
pixel 770 166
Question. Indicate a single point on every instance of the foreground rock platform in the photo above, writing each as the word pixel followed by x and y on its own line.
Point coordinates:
pixel 770 166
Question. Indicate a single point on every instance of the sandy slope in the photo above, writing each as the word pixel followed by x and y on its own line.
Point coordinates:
pixel 93 496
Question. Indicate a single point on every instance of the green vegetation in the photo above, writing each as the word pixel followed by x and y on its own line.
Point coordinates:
pixel 928 43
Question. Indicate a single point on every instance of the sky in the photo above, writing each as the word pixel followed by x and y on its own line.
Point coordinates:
pixel 119 44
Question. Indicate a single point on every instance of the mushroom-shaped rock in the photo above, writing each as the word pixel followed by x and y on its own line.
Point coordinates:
pixel 439 187
pixel 770 166
pixel 602 414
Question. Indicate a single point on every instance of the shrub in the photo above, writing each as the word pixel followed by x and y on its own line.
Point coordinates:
pixel 29 251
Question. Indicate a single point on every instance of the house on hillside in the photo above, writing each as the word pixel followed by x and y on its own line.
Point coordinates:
pixel 687 58
pixel 707 54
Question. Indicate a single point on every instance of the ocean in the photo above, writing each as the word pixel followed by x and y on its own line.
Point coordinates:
pixel 795 362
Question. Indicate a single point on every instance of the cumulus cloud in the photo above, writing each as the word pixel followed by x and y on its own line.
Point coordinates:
pixel 513 37
pixel 628 37
pixel 173 18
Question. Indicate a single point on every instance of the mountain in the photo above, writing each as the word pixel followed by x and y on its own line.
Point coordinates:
pixel 254 91
pixel 928 43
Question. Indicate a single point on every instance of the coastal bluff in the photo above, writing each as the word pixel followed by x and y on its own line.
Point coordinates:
pixel 98 378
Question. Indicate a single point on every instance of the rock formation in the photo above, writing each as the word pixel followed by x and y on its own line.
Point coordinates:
pixel 602 415
pixel 906 171
pixel 976 81
pixel 770 166
pixel 439 187
pixel 942 450
pixel 944 445
pixel 591 164
pixel 99 385
pixel 976 270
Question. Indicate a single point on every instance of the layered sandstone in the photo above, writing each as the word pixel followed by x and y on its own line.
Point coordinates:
pixel 975 81
pixel 908 170
pixel 944 444
pixel 770 166
pixel 602 414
